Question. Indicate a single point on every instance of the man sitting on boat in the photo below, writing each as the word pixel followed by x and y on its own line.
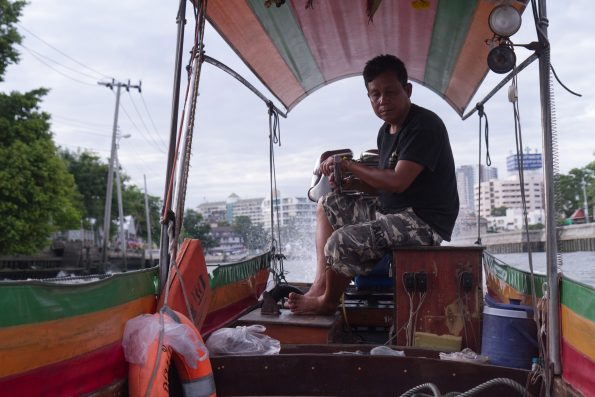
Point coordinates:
pixel 415 203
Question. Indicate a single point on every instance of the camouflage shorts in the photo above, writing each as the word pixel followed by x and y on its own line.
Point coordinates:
pixel 363 234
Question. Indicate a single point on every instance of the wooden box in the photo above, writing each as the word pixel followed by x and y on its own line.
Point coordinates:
pixel 453 298
pixel 295 329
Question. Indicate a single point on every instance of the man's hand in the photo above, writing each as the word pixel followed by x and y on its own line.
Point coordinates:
pixel 327 166
pixel 331 182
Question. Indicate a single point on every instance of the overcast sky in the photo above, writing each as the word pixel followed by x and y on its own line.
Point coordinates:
pixel 136 40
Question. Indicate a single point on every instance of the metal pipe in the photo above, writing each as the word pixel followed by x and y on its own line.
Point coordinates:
pixel 553 326
pixel 164 240
pixel 242 80
pixel 502 83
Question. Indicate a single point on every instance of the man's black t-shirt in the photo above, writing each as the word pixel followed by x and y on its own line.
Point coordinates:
pixel 433 194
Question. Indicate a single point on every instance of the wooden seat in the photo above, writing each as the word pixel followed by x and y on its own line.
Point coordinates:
pixel 289 328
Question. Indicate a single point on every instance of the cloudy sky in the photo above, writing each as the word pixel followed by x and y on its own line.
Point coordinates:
pixel 71 45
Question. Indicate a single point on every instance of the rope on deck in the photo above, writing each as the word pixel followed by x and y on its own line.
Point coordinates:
pixel 472 392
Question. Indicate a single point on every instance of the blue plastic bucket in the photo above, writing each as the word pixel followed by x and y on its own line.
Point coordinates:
pixel 509 337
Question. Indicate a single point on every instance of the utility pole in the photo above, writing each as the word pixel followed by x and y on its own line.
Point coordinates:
pixel 148 215
pixel 110 175
pixel 586 203
pixel 123 239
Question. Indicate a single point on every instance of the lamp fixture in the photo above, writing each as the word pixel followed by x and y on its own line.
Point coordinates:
pixel 501 59
pixel 505 20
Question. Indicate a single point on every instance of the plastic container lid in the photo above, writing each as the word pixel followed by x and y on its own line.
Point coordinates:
pixel 514 305
pixel 504 312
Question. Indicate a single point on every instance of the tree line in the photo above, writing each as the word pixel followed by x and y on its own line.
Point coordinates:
pixel 44 188
pixel 574 186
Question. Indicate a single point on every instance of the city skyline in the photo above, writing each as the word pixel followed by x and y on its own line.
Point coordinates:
pixel 231 151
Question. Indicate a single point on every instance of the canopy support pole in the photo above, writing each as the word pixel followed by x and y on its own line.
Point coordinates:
pixel 497 88
pixel 164 239
pixel 242 80
pixel 553 330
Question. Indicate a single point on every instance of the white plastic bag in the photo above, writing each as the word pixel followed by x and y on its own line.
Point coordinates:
pixel 386 351
pixel 466 355
pixel 242 340
pixel 142 330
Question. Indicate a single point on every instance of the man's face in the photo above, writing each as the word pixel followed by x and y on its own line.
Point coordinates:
pixel 389 98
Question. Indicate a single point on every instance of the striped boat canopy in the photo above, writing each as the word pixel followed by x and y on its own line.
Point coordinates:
pixel 302 45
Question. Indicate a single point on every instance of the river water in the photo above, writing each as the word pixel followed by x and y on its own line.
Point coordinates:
pixel 579 266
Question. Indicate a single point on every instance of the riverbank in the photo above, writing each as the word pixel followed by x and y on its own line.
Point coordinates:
pixel 579 266
pixel 572 238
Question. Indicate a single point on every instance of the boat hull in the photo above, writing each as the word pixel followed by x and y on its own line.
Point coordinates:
pixel 577 315
pixel 66 339
pixel 314 370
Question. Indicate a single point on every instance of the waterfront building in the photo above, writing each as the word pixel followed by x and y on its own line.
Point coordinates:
pixel 297 211
pixel 514 220
pixel 507 193
pixel 234 206
pixel 252 208
pixel 230 243
pixel 212 212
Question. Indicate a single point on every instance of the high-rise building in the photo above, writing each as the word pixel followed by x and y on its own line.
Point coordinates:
pixel 467 178
pixel 532 162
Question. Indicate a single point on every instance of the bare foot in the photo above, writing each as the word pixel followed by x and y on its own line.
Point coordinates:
pixel 304 304
pixel 317 289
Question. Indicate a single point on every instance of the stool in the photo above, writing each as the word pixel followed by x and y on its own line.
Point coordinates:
pixel 379 279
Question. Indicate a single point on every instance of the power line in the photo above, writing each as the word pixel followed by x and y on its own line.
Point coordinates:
pixel 143 121
pixel 84 122
pixel 151 119
pixel 58 71
pixel 56 62
pixel 138 129
pixel 91 132
pixel 62 52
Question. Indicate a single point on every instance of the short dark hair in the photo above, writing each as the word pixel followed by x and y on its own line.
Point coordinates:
pixel 385 63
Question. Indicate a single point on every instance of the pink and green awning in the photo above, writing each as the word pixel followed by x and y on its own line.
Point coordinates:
pixel 295 50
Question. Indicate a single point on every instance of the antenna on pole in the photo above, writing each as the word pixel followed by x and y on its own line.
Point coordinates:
pixel 110 176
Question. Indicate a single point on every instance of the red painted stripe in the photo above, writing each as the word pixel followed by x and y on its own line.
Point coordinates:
pixel 578 370
pixel 223 316
pixel 219 318
pixel 81 375
pixel 342 40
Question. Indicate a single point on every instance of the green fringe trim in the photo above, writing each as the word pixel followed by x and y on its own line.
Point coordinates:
pixel 518 279
pixel 234 272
